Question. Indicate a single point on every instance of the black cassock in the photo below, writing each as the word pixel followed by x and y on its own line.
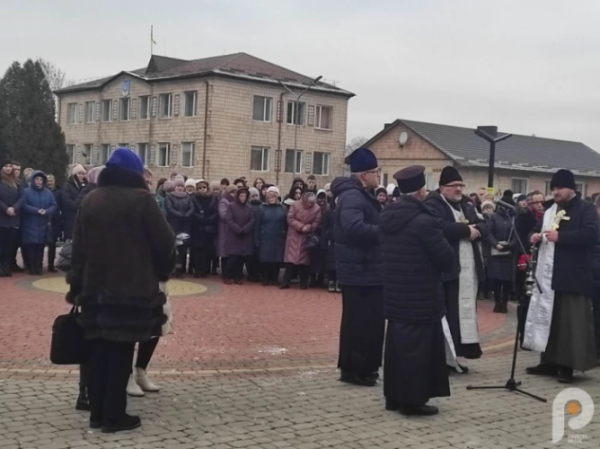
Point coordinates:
pixel 362 330
pixel 415 363
pixel 468 351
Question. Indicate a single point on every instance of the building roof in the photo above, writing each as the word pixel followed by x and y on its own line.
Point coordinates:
pixel 237 65
pixel 523 153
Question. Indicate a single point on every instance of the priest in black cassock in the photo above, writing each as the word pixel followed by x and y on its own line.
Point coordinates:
pixel 415 253
pixel 560 321
pixel 464 230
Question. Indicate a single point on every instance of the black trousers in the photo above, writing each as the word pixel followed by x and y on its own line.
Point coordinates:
pixel 362 330
pixel 33 255
pixel 270 272
pixel 291 270
pixel 145 352
pixel 84 375
pixel 253 268
pixel 502 290
pixel 51 254
pixel 201 261
pixel 7 241
pixel 224 261
pixel 15 249
pixel 235 267
pixel 111 367
pixel 332 275
pixel 181 259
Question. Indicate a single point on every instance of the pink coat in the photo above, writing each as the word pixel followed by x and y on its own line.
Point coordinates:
pixel 301 214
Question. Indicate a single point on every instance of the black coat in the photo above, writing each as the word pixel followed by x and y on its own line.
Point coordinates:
pixel 11 197
pixel 270 231
pixel 91 186
pixel 357 250
pixel 415 253
pixel 180 210
pixel 503 267
pixel 455 232
pixel 328 236
pixel 525 222
pixel 573 256
pixel 56 221
pixel 69 194
pixel 204 222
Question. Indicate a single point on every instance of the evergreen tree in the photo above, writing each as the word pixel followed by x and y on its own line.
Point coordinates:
pixel 28 130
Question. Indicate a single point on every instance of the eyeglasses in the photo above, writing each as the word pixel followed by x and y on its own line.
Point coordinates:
pixel 456 186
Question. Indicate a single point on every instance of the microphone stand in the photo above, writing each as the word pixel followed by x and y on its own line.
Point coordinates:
pixel 512 384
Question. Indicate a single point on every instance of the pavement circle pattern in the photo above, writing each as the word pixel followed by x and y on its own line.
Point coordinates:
pixel 176 287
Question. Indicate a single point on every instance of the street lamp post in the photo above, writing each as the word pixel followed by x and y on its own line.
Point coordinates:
pixel 297 107
pixel 490 133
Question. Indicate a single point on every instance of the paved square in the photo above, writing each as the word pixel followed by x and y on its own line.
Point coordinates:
pixel 254 367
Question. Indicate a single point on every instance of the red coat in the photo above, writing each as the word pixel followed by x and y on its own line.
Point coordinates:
pixel 301 214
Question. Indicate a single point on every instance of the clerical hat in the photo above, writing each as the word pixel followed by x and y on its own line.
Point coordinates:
pixel 362 160
pixel 449 174
pixel 563 179
pixel 410 179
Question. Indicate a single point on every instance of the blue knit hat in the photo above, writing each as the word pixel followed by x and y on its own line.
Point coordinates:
pixel 125 158
pixel 362 160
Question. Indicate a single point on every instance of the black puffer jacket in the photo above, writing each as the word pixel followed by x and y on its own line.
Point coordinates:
pixel 455 232
pixel 69 194
pixel 415 253
pixel 180 210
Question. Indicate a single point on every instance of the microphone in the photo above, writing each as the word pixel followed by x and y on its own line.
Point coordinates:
pixel 506 205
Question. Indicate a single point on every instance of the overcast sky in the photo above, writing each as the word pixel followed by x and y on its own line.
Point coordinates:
pixel 528 66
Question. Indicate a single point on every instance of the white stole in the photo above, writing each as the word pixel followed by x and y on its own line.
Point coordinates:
pixel 541 305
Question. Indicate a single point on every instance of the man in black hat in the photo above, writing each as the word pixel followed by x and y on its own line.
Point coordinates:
pixel 560 320
pixel 414 253
pixel 358 265
pixel 463 229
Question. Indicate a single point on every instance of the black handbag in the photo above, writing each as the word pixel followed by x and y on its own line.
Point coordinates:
pixel 68 346
pixel 313 241
pixel 64 257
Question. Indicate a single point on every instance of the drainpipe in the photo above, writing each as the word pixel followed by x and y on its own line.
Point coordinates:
pixel 279 139
pixel 205 131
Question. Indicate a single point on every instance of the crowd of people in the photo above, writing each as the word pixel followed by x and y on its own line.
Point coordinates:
pixel 418 259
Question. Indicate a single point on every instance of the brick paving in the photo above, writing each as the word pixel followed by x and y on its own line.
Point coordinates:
pixel 254 367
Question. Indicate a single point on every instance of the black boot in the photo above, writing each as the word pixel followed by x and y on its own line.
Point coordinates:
pixel 82 403
pixel 126 423
pixel 7 270
pixel 497 306
pixel 565 375
pixel 504 306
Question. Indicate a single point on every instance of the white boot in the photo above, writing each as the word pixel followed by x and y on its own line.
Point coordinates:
pixel 143 381
pixel 133 389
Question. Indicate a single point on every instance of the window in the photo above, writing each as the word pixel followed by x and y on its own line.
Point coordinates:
pixel 164 105
pixel 519 185
pixel 164 155
pixel 431 181
pixel 324 117
pixel 259 159
pixel 71 153
pixel 262 109
pixel 385 180
pixel 90 110
pixel 320 163
pixel 125 107
pixel 106 110
pixel 187 154
pixel 190 104
pixel 144 107
pixel 295 113
pixel 143 153
pixel 72 113
pixel 580 187
pixel 293 161
pixel 123 145
pixel 104 153
pixel 87 154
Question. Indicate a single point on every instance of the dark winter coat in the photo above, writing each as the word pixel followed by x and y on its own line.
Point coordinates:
pixel 240 226
pixel 222 224
pixel 573 255
pixel 204 223
pixel 328 236
pixel 357 249
pixel 35 227
pixel 525 221
pixel 122 247
pixel 415 253
pixel 70 192
pixel 89 187
pixel 455 232
pixel 301 214
pixel 56 221
pixel 270 232
pixel 596 294
pixel 502 268
pixel 10 197
pixel 180 211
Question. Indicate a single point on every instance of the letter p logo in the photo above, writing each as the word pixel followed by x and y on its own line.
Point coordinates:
pixel 579 407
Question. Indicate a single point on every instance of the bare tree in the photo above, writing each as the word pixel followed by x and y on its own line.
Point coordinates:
pixel 355 143
pixel 57 79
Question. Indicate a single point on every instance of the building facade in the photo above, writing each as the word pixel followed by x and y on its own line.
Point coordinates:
pixel 214 118
pixel 523 163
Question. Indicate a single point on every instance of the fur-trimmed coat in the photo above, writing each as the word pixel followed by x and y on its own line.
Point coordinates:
pixel 122 248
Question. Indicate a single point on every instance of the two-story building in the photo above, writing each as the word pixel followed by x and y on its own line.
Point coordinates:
pixel 226 116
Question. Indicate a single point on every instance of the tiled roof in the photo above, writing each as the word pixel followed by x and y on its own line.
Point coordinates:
pixel 525 153
pixel 237 65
